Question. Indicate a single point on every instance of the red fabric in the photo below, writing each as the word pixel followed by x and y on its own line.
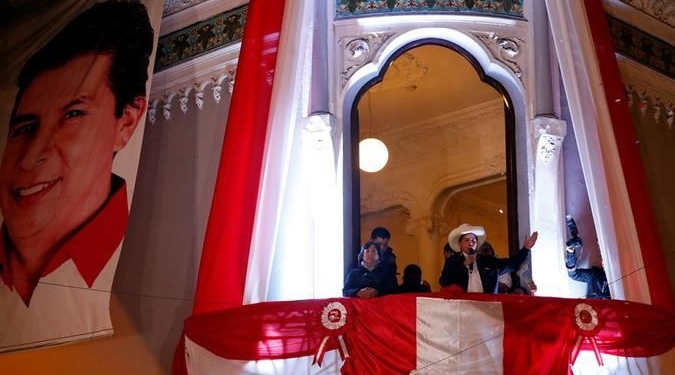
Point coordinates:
pixel 380 333
pixel 104 232
pixel 631 161
pixel 224 262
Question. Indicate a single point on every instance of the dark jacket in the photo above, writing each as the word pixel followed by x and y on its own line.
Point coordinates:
pixel 413 288
pixel 389 259
pixel 489 266
pixel 594 277
pixel 381 278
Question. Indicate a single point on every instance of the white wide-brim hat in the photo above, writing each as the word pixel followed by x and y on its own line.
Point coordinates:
pixel 455 234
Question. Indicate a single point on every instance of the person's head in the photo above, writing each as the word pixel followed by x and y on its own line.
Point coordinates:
pixel 447 251
pixel 486 249
pixel 369 255
pixel 412 274
pixel 80 99
pixel 466 237
pixel 381 236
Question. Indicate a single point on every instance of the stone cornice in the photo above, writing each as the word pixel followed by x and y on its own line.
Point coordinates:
pixel 360 8
pixel 181 85
pixel 179 14
pixel 199 38
pixel 640 46
pixel 649 91
pixel 662 10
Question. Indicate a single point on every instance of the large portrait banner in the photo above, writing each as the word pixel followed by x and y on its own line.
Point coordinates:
pixel 73 99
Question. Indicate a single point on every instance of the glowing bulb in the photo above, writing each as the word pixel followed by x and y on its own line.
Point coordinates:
pixel 373 155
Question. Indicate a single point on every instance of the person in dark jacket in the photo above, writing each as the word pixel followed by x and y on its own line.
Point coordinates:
pixel 371 278
pixel 594 277
pixel 477 272
pixel 412 280
pixel 381 237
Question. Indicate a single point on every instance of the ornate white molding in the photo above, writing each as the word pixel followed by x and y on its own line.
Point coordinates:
pixel 320 129
pixel 648 91
pixel 190 81
pixel 550 132
pixel 357 51
pixel 651 104
pixel 179 14
pixel 663 10
pixel 173 6
pixel 504 49
pixel 379 200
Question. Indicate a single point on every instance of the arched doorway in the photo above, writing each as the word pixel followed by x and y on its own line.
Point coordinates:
pixel 447 125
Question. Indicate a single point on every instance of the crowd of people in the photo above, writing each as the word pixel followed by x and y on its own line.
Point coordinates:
pixel 470 262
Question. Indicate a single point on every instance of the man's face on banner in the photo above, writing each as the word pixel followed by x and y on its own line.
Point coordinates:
pixel 56 167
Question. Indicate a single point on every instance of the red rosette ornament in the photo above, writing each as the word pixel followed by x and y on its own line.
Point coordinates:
pixel 588 325
pixel 334 320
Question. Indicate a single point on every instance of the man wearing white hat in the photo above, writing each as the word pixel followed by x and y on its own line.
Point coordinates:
pixel 460 267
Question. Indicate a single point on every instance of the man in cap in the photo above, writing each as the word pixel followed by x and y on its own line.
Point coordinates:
pixel 476 272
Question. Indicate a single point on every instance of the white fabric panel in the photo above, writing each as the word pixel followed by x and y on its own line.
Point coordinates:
pixel 200 361
pixel 586 364
pixel 459 337
pixel 62 309
pixel 612 213
pixel 275 221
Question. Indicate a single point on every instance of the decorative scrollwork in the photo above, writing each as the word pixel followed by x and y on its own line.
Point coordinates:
pixel 358 51
pixel 506 50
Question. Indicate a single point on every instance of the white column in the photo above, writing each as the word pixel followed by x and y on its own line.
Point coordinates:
pixel 548 266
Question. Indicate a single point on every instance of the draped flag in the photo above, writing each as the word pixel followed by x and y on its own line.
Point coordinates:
pixel 73 101
pixel 225 254
pixel 660 289
pixel 431 334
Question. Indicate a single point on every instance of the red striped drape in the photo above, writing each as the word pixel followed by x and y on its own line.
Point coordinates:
pixel 631 161
pixel 224 262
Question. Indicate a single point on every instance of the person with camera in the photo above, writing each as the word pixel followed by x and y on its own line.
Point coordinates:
pixel 594 277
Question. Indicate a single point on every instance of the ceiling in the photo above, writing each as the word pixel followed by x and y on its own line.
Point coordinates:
pixel 425 82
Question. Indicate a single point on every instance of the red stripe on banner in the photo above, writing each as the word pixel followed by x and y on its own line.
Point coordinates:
pixel 631 161
pixel 383 335
pixel 224 262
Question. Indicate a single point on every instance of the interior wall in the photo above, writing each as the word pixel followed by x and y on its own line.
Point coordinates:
pixel 405 246
pixel 466 207
pixel 657 142
pixel 650 98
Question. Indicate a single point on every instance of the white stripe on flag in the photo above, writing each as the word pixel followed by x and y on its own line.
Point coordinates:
pixel 201 361
pixel 459 337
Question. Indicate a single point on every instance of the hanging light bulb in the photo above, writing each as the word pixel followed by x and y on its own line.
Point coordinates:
pixel 373 155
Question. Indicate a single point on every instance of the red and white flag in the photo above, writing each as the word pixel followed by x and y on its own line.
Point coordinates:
pixel 404 334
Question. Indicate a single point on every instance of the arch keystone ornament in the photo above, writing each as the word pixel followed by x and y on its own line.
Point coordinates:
pixel 587 323
pixel 334 320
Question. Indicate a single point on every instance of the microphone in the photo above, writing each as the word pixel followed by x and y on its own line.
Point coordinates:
pixel 472 251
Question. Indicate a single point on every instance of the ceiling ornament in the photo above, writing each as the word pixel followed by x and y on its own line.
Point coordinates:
pixel 403 73
pixel 196 90
pixel 359 51
pixel 506 50
pixel 663 10
pixel 378 200
pixel 651 104
pixel 175 6
pixel 550 134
